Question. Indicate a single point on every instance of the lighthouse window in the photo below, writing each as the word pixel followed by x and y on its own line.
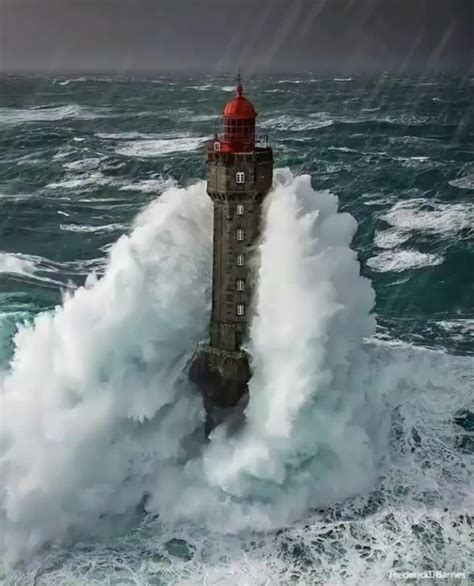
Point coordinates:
pixel 240 309
pixel 240 284
pixel 240 177
pixel 240 260
pixel 240 234
pixel 240 210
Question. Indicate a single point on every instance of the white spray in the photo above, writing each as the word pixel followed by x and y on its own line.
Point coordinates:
pixel 96 408
pixel 94 400
pixel 312 313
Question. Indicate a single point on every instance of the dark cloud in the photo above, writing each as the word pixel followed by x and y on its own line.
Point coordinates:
pixel 214 35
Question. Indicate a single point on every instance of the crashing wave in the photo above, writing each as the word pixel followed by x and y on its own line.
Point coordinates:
pixel 100 417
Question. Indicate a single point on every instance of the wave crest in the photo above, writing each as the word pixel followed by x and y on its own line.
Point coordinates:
pixel 100 417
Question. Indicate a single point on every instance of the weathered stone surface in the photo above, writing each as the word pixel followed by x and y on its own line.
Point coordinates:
pixel 239 176
pixel 228 326
pixel 222 379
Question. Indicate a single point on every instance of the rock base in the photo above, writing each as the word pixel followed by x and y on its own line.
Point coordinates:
pixel 222 379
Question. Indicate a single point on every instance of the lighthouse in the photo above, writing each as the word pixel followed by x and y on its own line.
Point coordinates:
pixel 239 176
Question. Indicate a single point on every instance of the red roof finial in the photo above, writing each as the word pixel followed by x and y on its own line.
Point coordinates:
pixel 239 108
pixel 239 89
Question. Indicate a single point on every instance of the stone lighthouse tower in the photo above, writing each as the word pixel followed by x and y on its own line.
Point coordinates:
pixel 239 175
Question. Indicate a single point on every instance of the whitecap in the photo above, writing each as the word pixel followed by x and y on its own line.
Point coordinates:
pixel 463 327
pixel 85 164
pixel 93 229
pixel 403 260
pixel 82 79
pixel 297 123
pixel 343 149
pixel 404 119
pixel 127 135
pixel 422 215
pixel 159 147
pixel 416 141
pixel 30 159
pixel 377 199
pixel 416 162
pixel 50 114
pixel 202 117
pixel 202 88
pixel 390 238
pixel 31 267
pixel 81 182
pixel 465 182
pixel 149 185
pixel 16 264
pixel 16 196
pixel 295 81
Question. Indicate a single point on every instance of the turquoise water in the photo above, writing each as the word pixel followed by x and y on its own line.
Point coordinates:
pixel 80 158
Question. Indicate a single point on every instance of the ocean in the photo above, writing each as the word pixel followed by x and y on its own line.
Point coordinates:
pixel 356 464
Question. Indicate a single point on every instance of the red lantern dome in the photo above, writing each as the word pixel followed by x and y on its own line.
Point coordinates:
pixel 239 123
pixel 240 108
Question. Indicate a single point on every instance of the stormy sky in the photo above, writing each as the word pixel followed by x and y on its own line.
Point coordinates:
pixel 129 36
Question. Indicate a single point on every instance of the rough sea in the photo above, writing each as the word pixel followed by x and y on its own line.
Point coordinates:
pixel 356 463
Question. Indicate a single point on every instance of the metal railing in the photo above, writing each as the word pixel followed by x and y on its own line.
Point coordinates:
pixel 260 140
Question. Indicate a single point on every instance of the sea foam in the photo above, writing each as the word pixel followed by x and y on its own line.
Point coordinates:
pixel 403 260
pixel 93 402
pixel 159 147
pixel 10 116
pixel 99 415
pixel 16 264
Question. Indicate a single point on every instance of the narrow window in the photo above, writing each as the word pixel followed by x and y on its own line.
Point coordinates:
pixel 240 260
pixel 240 309
pixel 240 210
pixel 240 177
pixel 238 340
pixel 240 284
pixel 240 234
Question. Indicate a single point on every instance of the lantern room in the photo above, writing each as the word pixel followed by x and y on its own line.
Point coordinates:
pixel 239 124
